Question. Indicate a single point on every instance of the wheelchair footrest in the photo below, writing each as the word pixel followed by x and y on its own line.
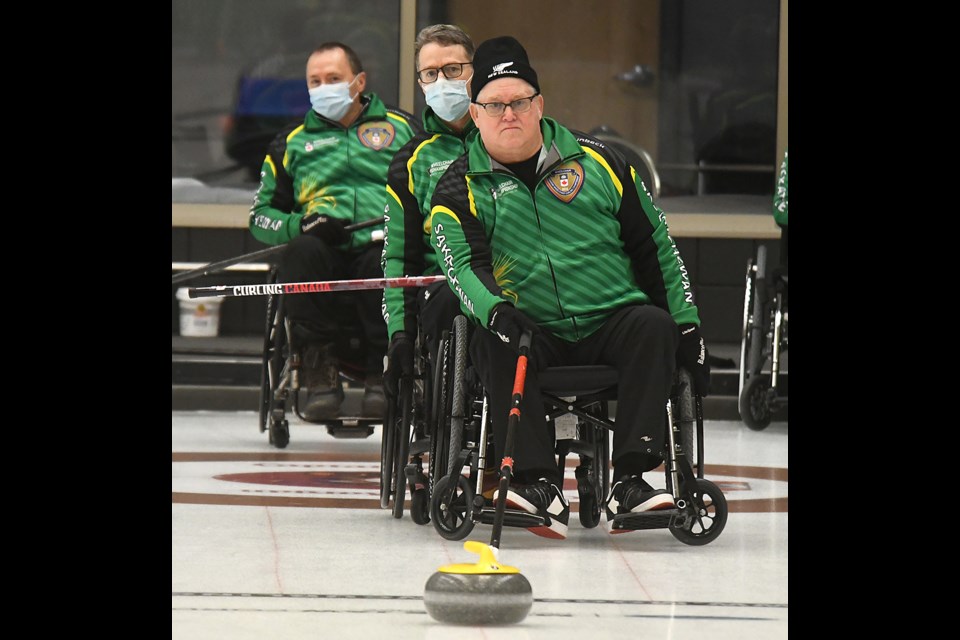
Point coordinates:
pixel 657 519
pixel 511 518
pixel 349 429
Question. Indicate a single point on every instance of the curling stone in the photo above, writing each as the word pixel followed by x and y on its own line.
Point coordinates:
pixel 484 593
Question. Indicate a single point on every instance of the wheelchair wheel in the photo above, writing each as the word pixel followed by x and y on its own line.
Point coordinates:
pixel 439 434
pixel 685 415
pixel 704 527
pixel 758 318
pixel 402 437
pixel 745 331
pixel 754 403
pixel 589 510
pixel 273 361
pixel 388 453
pixel 458 382
pixel 420 507
pixel 279 433
pixel 451 507
pixel 591 487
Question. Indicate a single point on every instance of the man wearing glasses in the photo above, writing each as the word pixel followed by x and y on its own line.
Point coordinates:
pixel 443 55
pixel 545 230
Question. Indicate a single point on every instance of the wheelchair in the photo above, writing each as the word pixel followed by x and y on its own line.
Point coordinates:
pixel 581 395
pixel 280 389
pixel 405 440
pixel 763 341
pixel 421 423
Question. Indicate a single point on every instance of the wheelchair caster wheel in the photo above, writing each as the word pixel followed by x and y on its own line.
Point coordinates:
pixel 279 433
pixel 419 506
pixel 701 526
pixel 589 507
pixel 451 507
pixel 755 403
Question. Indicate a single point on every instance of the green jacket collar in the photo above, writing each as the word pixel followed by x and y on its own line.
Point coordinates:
pixel 559 143
pixel 433 124
pixel 373 109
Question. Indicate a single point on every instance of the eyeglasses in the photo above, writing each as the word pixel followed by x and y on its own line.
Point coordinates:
pixel 496 109
pixel 450 71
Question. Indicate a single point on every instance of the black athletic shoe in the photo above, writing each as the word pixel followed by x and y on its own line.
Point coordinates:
pixel 374 402
pixel 319 373
pixel 542 498
pixel 633 495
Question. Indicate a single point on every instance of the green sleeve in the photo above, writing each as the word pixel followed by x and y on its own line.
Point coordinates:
pixel 464 256
pixel 403 248
pixel 272 220
pixel 656 261
pixel 780 197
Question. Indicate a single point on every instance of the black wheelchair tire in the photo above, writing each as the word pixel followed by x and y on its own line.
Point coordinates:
pixel 701 529
pixel 754 404
pixel 455 523
pixel 437 425
pixel 387 453
pixel 419 506
pixel 458 399
pixel 279 433
pixel 402 446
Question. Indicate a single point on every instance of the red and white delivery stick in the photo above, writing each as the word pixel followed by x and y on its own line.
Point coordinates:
pixel 227 291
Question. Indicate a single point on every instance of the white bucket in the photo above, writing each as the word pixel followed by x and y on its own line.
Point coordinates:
pixel 199 317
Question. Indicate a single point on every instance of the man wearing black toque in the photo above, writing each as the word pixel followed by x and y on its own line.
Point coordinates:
pixel 550 231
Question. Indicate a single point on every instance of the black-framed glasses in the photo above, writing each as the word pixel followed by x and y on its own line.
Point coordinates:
pixel 496 109
pixel 450 71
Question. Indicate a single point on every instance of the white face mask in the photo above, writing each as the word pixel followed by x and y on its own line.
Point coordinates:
pixel 332 101
pixel 448 98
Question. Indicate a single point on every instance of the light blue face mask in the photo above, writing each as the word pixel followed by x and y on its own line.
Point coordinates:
pixel 332 101
pixel 448 98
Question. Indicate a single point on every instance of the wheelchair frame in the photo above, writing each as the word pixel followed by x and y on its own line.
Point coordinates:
pixel 405 440
pixel 456 501
pixel 280 380
pixel 426 418
pixel 763 339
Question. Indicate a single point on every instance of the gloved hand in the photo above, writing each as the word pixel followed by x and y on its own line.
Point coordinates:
pixel 509 324
pixel 327 228
pixel 399 362
pixel 692 356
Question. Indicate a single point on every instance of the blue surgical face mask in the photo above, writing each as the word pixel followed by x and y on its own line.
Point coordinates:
pixel 448 98
pixel 332 101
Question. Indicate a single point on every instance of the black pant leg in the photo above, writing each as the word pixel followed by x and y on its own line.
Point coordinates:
pixel 641 342
pixel 366 265
pixel 533 443
pixel 308 259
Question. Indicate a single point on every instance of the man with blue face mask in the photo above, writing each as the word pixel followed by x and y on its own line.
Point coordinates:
pixel 443 56
pixel 319 176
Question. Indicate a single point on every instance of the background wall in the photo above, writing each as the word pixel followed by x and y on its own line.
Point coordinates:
pixel 578 53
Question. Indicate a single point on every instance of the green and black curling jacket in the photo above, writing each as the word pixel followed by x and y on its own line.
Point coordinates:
pixel 586 243
pixel 323 167
pixel 413 176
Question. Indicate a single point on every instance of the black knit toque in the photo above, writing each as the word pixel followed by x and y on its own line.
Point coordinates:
pixel 501 57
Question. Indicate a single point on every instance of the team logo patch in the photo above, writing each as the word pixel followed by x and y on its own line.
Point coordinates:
pixel 565 181
pixel 376 135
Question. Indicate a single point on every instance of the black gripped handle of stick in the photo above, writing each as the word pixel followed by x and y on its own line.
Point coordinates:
pixel 506 466
pixel 214 267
